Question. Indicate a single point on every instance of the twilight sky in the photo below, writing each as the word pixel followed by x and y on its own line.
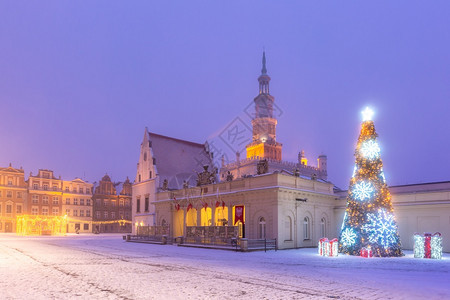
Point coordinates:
pixel 80 81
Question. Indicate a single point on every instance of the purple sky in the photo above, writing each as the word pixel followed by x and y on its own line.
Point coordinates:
pixel 80 81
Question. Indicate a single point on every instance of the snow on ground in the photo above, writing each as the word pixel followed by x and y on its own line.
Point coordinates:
pixel 106 267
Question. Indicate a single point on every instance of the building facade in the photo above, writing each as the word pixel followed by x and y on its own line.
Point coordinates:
pixel 111 211
pixel 77 205
pixel 13 195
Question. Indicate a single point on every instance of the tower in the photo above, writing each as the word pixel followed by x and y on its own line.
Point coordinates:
pixel 264 144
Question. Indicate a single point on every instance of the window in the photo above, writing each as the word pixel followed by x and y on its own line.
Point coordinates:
pixel 105 214
pixel 8 208
pixel 35 199
pixel 67 189
pixel 127 203
pixel 288 228
pixel 121 214
pixel 19 194
pixel 9 181
pixel 55 211
pixel 75 213
pixel 113 215
pixel 44 199
pixel 121 203
pixel 9 194
pixel 55 200
pixel 88 202
pixel 34 211
pixel 98 202
pixel 75 201
pixel 85 226
pixel 306 228
pixel 88 213
pixel 45 187
pixel 0 193
pixel 127 215
pixel 139 177
pixel 45 211
pixel 19 209
pixel 0 210
pixel 88 190
pixel 262 228
pixel 150 174
pixel 35 186
pixel 138 205
pixel 81 213
pixel 81 201
pixel 323 231
pixel 80 190
pixel 105 203
pixel 113 203
pixel 68 212
pixel 146 204
pixel 97 214
pixel 68 201
pixel 55 187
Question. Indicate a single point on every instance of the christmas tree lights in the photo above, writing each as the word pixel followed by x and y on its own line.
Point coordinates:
pixel 369 221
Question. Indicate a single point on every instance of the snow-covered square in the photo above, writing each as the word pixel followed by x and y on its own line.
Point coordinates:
pixel 107 267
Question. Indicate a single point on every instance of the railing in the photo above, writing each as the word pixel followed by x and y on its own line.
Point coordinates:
pixel 157 239
pixel 260 244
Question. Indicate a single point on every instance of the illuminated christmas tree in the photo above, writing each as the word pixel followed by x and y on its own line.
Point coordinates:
pixel 369 216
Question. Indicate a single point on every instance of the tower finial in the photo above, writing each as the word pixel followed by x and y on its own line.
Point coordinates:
pixel 264 70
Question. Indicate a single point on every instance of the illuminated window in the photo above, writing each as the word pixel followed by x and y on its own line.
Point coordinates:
pixel 55 211
pixel 68 212
pixel 34 211
pixel 45 211
pixel 105 215
pixel 75 201
pixel 105 203
pixel 55 200
pixel 44 199
pixel 35 199
pixel 306 228
pixel 121 203
pixel 75 213
pixel 81 213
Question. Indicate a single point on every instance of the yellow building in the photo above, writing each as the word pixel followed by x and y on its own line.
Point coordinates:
pixel 13 195
pixel 77 205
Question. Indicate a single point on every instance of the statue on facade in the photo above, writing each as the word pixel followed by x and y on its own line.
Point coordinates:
pixel 262 167
pixel 165 185
pixel 230 176
pixel 297 172
pixel 206 177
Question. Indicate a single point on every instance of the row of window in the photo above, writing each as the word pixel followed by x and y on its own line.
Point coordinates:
pixel 112 203
pixel 9 209
pixel 45 199
pixel 82 212
pixel 46 187
pixel 288 228
pixel 45 211
pixel 79 191
pixel 112 215
pixel 9 194
pixel 76 202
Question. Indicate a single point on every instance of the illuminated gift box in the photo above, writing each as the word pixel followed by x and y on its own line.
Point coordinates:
pixel 366 252
pixel 428 245
pixel 328 248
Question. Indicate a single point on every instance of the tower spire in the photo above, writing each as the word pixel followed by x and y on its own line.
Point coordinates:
pixel 264 70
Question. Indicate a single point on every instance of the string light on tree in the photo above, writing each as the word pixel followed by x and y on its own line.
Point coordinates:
pixel 348 237
pixel 369 218
pixel 363 190
pixel 370 149
pixel 381 228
